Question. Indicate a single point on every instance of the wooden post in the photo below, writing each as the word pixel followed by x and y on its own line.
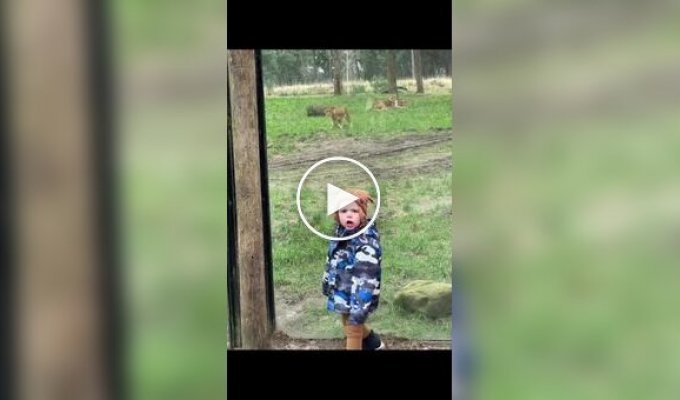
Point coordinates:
pixel 251 224
pixel 58 292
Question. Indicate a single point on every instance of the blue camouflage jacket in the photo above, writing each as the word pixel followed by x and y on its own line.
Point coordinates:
pixel 353 274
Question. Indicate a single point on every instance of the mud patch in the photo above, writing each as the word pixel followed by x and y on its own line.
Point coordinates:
pixel 288 311
pixel 321 147
pixel 387 158
pixel 281 341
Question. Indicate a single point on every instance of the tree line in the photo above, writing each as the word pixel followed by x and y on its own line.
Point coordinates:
pixel 288 67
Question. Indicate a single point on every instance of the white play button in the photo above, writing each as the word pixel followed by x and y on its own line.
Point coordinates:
pixel 337 198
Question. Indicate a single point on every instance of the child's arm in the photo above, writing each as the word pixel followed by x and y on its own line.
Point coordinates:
pixel 366 277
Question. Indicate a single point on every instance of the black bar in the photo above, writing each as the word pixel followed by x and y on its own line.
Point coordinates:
pixel 340 374
pixel 306 24
pixel 264 179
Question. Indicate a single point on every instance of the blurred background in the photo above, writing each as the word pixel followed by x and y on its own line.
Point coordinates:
pixel 167 116
pixel 171 94
pixel 567 197
pixel 565 189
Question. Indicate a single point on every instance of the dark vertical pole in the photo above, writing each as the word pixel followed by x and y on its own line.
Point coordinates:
pixel 7 245
pixel 266 218
pixel 418 70
pixel 392 72
pixel 103 129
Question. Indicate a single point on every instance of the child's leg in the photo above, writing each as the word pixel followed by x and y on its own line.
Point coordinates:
pixel 367 330
pixel 366 327
pixel 354 334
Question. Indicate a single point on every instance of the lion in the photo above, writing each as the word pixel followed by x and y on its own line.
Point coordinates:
pixel 339 116
pixel 398 103
pixel 379 105
pixel 392 102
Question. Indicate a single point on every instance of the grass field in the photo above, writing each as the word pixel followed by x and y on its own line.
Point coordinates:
pixel 287 121
pixel 409 152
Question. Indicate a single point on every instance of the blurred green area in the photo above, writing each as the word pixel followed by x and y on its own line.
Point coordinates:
pixel 567 197
pixel 171 87
pixel 169 30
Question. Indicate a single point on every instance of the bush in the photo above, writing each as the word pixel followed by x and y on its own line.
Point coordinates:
pixel 358 89
pixel 379 85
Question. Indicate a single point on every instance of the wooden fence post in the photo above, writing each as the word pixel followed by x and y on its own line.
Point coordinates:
pixel 60 183
pixel 253 315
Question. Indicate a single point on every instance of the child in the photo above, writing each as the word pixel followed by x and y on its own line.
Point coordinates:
pixel 352 277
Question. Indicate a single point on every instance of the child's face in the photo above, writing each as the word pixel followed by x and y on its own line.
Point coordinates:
pixel 350 216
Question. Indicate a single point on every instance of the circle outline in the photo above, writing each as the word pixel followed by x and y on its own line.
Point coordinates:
pixel 299 207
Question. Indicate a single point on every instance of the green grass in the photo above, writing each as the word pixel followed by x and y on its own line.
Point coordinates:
pixel 415 226
pixel 287 120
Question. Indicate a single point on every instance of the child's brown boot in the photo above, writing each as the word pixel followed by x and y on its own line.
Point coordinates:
pixel 355 335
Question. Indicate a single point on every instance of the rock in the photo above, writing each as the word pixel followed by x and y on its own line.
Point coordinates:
pixel 426 297
pixel 316 111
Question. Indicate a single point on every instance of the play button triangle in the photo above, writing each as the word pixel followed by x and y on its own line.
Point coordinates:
pixel 337 198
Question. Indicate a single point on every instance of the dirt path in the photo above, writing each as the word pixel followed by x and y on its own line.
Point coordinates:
pixel 325 146
pixel 281 341
pixel 406 154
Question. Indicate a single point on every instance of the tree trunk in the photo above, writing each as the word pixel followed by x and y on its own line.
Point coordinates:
pixel 418 70
pixel 316 69
pixel 337 72
pixel 413 65
pixel 392 72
